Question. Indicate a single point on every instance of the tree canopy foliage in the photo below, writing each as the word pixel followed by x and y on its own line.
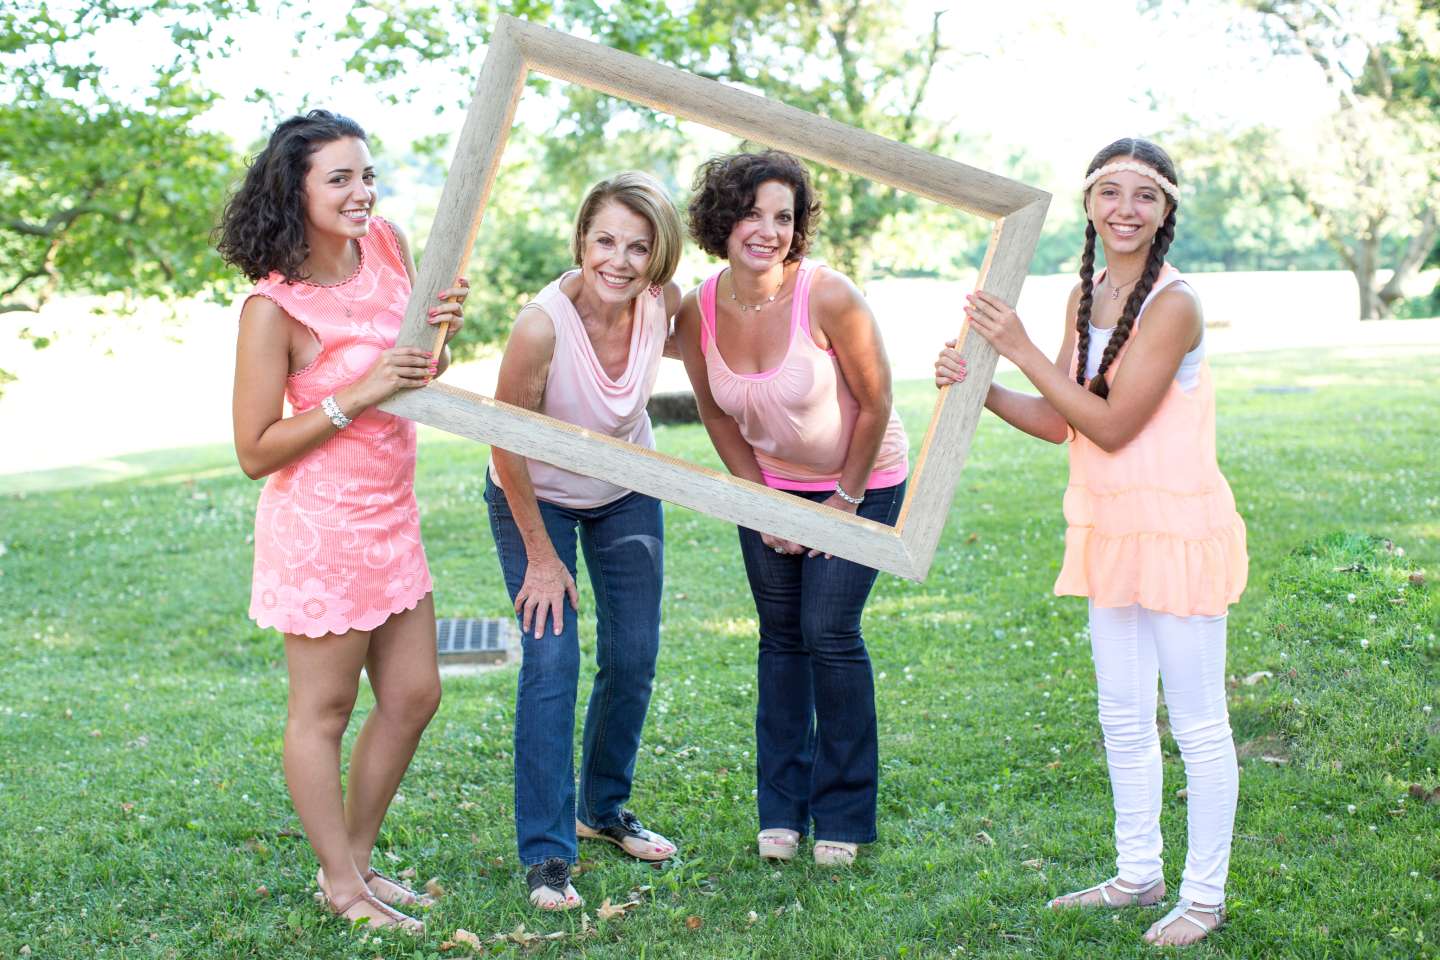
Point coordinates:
pixel 105 190
pixel 1374 186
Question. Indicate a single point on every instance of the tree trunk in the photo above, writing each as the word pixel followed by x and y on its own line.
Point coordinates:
pixel 1364 269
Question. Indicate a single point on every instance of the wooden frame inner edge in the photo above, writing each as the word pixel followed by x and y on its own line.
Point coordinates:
pixel 517 47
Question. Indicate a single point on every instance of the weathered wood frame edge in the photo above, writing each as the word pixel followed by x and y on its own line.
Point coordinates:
pixel 1018 212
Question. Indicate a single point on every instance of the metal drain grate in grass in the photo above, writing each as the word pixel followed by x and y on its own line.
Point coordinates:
pixel 476 641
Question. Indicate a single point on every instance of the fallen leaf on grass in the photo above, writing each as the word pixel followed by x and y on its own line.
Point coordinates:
pixel 752 917
pixel 609 911
pixel 1257 676
pixel 1419 792
pixel 984 838
pixel 1183 793
pixel 1277 761
pixel 262 891
pixel 432 887
pixel 127 806
pixel 464 937
pixel 693 922
pixel 1033 864
pixel 1417 579
pixel 407 874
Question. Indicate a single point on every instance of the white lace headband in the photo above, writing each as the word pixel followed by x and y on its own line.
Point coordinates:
pixel 1133 167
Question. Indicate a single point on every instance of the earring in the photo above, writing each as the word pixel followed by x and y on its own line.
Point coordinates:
pixel 656 289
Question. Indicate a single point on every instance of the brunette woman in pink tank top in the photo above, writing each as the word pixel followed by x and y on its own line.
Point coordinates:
pixel 793 386
pixel 586 350
pixel 339 568
pixel 1154 541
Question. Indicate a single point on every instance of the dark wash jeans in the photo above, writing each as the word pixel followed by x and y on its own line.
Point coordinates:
pixel 624 552
pixel 817 755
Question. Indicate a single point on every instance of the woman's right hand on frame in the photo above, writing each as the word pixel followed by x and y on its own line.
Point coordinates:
pixel 949 366
pixel 780 544
pixel 547 586
pixel 399 368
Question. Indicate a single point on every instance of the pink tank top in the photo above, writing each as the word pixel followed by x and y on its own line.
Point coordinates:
pixel 1154 523
pixel 578 391
pixel 797 417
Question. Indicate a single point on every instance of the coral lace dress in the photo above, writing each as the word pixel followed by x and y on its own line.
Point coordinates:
pixel 337 532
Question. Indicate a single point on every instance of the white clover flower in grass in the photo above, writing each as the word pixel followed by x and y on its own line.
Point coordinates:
pixel 1350 808
pixel 1350 597
pixel 1364 643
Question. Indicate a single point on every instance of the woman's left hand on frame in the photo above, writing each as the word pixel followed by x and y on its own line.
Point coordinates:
pixel 998 323
pixel 451 307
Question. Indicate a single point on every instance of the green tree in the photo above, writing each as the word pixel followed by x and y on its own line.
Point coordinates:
pixel 857 62
pixel 1374 187
pixel 106 191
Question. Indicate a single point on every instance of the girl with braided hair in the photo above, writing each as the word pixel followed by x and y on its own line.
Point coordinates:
pixel 1153 539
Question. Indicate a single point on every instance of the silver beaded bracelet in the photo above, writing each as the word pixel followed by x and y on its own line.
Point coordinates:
pixel 846 497
pixel 333 411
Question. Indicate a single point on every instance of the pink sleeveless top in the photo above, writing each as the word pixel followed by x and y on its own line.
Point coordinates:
pixel 1154 523
pixel 797 417
pixel 337 532
pixel 578 391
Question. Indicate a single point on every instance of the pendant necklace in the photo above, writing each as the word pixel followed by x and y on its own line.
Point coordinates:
pixel 757 307
pixel 1115 291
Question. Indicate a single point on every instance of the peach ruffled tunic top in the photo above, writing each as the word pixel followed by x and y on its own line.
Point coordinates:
pixel 1154 523
pixel 798 416
pixel 337 532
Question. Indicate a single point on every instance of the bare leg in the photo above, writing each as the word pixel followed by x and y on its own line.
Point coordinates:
pixel 406 681
pixel 324 678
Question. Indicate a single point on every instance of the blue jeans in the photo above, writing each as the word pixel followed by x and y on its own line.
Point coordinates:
pixel 624 551
pixel 816 739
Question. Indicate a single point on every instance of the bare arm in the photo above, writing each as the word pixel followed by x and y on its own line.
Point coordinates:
pixel 265 439
pixel 850 329
pixel 523 371
pixel 1172 324
pixel 737 454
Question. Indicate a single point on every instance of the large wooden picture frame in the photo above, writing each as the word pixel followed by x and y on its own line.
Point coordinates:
pixel 1017 210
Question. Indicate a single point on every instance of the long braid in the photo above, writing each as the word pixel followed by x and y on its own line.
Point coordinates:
pixel 1082 315
pixel 1148 276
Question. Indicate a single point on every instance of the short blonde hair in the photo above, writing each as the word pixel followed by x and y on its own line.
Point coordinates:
pixel 644 196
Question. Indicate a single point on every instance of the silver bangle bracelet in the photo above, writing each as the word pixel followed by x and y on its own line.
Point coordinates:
pixel 333 411
pixel 846 497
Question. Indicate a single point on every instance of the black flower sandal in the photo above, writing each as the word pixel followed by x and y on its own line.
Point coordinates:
pixel 630 836
pixel 550 888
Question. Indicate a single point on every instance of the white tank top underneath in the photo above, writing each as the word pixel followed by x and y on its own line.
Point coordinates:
pixel 1187 376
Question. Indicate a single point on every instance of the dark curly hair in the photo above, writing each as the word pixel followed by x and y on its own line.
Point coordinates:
pixel 262 230
pixel 724 192
pixel 1152 156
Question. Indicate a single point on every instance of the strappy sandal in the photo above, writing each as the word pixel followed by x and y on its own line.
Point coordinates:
pixel 835 853
pixel 550 888
pixel 630 836
pixel 1134 896
pixel 394 892
pixel 777 843
pixel 1182 911
pixel 389 918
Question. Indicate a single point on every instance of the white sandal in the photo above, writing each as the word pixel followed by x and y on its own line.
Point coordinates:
pixel 777 843
pixel 835 853
pixel 1132 894
pixel 1182 911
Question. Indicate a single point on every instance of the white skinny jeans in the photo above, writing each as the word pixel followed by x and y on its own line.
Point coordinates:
pixel 1130 646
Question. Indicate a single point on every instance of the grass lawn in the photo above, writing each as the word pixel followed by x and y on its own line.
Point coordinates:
pixel 143 812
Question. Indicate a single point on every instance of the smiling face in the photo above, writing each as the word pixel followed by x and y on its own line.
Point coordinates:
pixel 618 246
pixel 1127 209
pixel 761 238
pixel 340 189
